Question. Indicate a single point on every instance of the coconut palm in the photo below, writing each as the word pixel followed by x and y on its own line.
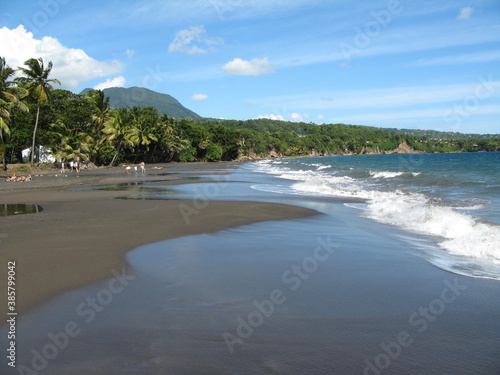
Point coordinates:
pixel 37 82
pixel 144 124
pixel 170 143
pixel 100 104
pixel 101 113
pixel 10 96
pixel 71 143
pixel 118 129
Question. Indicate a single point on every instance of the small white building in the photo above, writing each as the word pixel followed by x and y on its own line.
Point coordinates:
pixel 42 155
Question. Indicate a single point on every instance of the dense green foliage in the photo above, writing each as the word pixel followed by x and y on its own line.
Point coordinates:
pixel 85 127
pixel 10 97
pixel 435 134
pixel 36 81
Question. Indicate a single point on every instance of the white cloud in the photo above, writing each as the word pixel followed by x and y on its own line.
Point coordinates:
pixel 189 41
pixel 130 53
pixel 320 117
pixel 115 82
pixel 297 117
pixel 253 67
pixel 72 67
pixel 199 97
pixel 465 13
pixel 272 117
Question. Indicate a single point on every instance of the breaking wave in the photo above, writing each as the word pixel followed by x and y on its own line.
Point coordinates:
pixel 473 245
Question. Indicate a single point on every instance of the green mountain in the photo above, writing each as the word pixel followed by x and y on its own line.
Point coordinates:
pixel 141 97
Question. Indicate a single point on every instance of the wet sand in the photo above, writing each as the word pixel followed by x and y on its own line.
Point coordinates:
pixel 81 236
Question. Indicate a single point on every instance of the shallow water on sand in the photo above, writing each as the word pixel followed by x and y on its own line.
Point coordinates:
pixel 19 209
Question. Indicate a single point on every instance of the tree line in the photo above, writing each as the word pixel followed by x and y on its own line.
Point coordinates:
pixel 84 127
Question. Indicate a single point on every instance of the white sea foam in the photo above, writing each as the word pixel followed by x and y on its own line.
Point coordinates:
pixel 463 235
pixel 318 166
pixel 357 206
pixel 388 174
pixel 458 233
pixel 385 174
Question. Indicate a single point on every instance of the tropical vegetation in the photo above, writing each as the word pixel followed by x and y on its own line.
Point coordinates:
pixel 84 127
pixel 36 81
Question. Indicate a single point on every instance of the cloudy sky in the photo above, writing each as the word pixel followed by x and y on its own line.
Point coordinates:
pixel 394 63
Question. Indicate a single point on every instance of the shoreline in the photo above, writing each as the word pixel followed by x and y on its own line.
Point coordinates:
pixel 322 293
pixel 81 236
pixel 53 178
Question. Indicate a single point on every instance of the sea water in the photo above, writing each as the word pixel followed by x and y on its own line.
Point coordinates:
pixel 449 204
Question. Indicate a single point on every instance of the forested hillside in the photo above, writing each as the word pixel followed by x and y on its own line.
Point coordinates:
pixel 85 127
pixel 142 97
pixel 434 134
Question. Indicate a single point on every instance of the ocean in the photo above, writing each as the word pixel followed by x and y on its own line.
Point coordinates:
pixel 449 204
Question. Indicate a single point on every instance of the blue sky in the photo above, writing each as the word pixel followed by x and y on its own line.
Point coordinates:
pixel 395 63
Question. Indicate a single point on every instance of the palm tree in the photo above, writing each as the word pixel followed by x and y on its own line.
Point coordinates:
pixel 101 114
pixel 118 129
pixel 144 124
pixel 10 96
pixel 170 142
pixel 100 105
pixel 71 143
pixel 37 81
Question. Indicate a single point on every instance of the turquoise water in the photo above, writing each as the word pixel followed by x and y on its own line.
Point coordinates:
pixel 448 203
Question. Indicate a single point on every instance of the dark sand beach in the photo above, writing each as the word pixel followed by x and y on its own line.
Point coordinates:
pixel 236 282
pixel 80 236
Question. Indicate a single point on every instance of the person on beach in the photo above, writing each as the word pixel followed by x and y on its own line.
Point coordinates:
pixel 71 165
pixel 62 167
pixel 77 166
pixel 135 168
pixel 23 179
pixel 18 179
pixel 143 167
pixel 127 169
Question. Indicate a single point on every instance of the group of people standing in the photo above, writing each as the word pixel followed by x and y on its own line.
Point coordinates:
pixel 74 166
pixel 142 165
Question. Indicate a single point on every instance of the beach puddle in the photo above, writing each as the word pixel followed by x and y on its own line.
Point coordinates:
pixel 138 186
pixel 160 174
pixel 147 197
pixel 141 189
pixel 129 186
pixel 145 192
pixel 19 209
pixel 126 186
